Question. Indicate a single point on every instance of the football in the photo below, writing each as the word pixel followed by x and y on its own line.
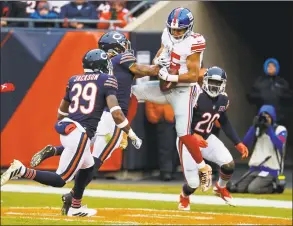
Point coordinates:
pixel 166 86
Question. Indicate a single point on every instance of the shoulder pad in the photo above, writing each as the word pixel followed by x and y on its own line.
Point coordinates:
pixel 198 42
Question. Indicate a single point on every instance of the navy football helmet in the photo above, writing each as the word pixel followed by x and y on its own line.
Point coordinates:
pixel 114 42
pixel 97 60
pixel 214 81
pixel 180 19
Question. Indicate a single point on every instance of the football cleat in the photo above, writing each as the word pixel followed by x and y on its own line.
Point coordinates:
pixel 184 203
pixel 224 194
pixel 13 172
pixel 67 200
pixel 43 154
pixel 81 212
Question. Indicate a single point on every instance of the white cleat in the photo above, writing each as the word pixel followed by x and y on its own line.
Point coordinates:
pixel 81 212
pixel 13 172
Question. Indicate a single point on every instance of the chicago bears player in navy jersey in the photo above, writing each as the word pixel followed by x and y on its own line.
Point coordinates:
pixel 79 114
pixel 211 103
pixel 108 137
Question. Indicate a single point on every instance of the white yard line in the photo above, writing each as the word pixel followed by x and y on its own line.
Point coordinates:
pixel 202 199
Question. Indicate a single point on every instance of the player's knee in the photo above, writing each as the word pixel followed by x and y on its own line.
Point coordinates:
pixel 228 168
pixel 59 183
pixel 193 182
pixel 98 164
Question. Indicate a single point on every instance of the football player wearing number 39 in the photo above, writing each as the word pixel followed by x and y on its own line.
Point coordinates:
pixel 211 103
pixel 79 114
pixel 182 50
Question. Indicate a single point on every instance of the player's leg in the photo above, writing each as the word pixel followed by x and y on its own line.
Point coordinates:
pixel 68 161
pixel 106 141
pixel 190 171
pixel 148 91
pixel 181 99
pixel 79 163
pixel 46 152
pixel 217 152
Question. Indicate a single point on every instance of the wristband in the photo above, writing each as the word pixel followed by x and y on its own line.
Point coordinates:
pixel 123 124
pixel 172 78
pixel 115 108
pixel 131 134
pixel 62 113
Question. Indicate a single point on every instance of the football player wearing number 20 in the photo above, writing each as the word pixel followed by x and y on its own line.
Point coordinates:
pixel 211 103
pixel 182 50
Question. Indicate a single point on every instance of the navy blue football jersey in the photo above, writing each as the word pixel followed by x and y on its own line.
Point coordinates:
pixel 206 111
pixel 87 97
pixel 121 64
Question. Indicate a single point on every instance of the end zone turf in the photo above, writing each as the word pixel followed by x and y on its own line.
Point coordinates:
pixel 128 216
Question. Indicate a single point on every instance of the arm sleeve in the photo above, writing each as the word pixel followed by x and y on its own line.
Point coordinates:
pixel 127 60
pixel 228 129
pixel 278 138
pixel 111 86
pixel 249 137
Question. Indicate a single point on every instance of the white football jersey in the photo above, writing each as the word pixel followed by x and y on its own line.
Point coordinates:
pixel 180 51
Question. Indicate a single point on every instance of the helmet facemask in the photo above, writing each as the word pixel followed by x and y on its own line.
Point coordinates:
pixel 179 38
pixel 214 85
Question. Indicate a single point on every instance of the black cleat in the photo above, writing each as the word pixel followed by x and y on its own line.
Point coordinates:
pixel 45 153
pixel 67 200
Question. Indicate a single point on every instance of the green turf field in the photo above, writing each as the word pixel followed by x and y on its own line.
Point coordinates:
pixel 34 202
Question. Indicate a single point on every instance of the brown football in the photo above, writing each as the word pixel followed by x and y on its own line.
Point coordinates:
pixel 166 86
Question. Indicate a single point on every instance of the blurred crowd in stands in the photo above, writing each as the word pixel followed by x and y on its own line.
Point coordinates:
pixel 77 9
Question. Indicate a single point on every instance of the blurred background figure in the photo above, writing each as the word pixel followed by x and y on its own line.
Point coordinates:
pixel 78 9
pixel 272 89
pixel 16 9
pixel 267 141
pixel 56 5
pixel 114 11
pixel 162 116
pixel 43 12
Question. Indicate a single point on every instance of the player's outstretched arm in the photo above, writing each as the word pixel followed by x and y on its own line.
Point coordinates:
pixel 63 109
pixel 141 70
pixel 121 121
pixel 232 135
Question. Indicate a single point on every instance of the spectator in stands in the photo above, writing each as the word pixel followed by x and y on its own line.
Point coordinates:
pixel 79 9
pixel 272 89
pixel 43 12
pixel 117 11
pixel 15 9
pixel 56 5
pixel 163 117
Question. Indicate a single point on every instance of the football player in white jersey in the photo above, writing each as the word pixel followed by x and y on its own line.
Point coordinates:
pixel 181 51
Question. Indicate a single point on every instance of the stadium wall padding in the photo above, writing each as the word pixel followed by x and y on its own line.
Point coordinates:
pixel 28 115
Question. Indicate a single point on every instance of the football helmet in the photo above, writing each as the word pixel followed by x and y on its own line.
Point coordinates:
pixel 114 42
pixel 97 60
pixel 180 19
pixel 214 81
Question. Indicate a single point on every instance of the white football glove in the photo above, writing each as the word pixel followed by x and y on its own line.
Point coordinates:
pixel 137 142
pixel 163 59
pixel 164 75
